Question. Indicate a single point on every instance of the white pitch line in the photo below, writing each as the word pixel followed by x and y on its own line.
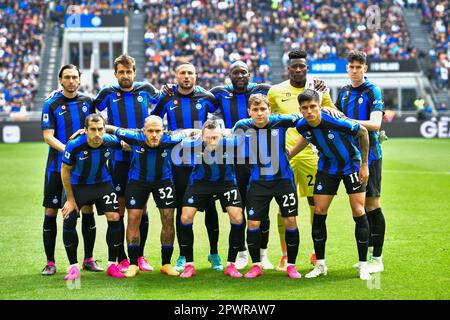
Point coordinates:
pixel 417 172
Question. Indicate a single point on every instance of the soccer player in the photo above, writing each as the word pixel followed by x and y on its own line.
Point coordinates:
pixel 271 176
pixel 127 105
pixel 362 101
pixel 232 102
pixel 87 181
pixel 188 108
pixel 339 159
pixel 283 100
pixel 150 172
pixel 213 174
pixel 62 115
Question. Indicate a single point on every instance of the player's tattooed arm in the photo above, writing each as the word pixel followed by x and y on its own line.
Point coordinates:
pixel 363 136
pixel 70 204
pixel 299 146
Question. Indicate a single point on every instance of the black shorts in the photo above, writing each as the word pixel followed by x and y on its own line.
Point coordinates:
pixel 260 194
pixel 328 184
pixel 198 195
pixel 119 173
pixel 101 194
pixel 137 193
pixel 53 191
pixel 374 183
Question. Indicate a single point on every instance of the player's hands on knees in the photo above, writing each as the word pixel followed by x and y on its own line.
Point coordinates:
pixel 333 112
pixel 167 89
pixel 77 133
pixel 69 207
pixel 364 173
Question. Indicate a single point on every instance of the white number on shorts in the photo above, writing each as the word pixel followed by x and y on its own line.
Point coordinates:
pixel 228 195
pixel 168 194
pixel 354 177
pixel 287 197
pixel 108 198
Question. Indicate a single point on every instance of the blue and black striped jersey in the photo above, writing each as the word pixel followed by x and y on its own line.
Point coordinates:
pixel 185 111
pixel 266 147
pixel 65 116
pixel 334 138
pixel 127 109
pixel 211 166
pixel 89 164
pixel 233 105
pixel 149 164
pixel 358 103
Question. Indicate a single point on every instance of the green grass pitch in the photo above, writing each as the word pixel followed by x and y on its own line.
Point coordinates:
pixel 416 255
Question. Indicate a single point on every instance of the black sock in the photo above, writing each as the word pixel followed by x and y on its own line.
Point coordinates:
pixel 369 219
pixel 362 236
pixel 113 239
pixel 89 232
pixel 133 251
pixel 244 222
pixel 70 237
pixel 177 226
pixel 49 236
pixel 319 235
pixel 378 230
pixel 166 254
pixel 265 226
pixel 121 255
pixel 186 241
pixel 235 240
pixel 143 229
pixel 254 244
pixel 212 226
pixel 292 243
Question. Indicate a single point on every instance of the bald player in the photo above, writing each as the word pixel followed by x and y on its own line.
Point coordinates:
pixel 283 100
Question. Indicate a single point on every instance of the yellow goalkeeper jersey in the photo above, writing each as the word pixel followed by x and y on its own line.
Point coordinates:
pixel 283 100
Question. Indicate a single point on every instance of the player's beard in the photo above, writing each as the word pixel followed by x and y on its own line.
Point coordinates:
pixel 126 84
pixel 186 87
pixel 240 85
pixel 69 90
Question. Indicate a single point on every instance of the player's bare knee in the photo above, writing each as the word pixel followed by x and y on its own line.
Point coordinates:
pixel 358 211
pixel 112 216
pixel 290 223
pixel 51 211
pixel 253 224
pixel 372 203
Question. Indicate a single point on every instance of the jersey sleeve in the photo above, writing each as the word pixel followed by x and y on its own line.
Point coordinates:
pixel 344 124
pixel 338 99
pixel 153 94
pixel 262 88
pixel 70 156
pixel 377 104
pixel 160 108
pixel 112 141
pixel 271 96
pixel 173 140
pixel 132 137
pixel 48 120
pixel 101 101
pixel 211 102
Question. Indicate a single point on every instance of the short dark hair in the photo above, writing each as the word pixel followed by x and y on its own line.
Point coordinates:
pixel 308 95
pixel 210 125
pixel 257 99
pixel 297 54
pixel 68 66
pixel 359 56
pixel 94 117
pixel 125 60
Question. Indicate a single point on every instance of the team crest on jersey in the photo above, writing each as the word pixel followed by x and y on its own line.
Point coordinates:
pixel 107 154
pixel 118 94
pixel 360 100
pixel 198 106
pixel 140 99
pixel 175 102
pixel 191 200
pixel 288 94
pixel 274 132
pixel 164 154
pixel 84 108
pixel 85 152
pixel 63 107
pixel 319 186
pixel 132 201
pixel 251 212
pixel 231 94
pixel 330 136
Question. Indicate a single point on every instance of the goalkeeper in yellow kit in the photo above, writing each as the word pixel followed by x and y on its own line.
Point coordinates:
pixel 283 100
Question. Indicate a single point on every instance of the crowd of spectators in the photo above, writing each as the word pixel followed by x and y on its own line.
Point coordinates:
pixel 329 29
pixel 435 15
pixel 209 34
pixel 21 39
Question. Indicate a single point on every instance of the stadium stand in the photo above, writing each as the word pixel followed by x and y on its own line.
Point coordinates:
pixel 208 34
pixel 21 38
